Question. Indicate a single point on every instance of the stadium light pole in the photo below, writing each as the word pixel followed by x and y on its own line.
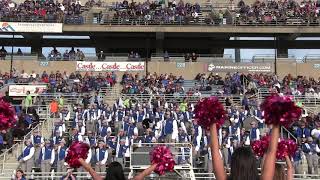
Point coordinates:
pixel 11 60
pixel 275 53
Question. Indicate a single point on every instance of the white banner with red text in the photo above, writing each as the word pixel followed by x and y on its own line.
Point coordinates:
pixel 21 90
pixel 109 66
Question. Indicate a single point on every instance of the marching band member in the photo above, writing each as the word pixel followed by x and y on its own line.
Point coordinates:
pixel 254 132
pixel 62 153
pixel 47 156
pixel 38 143
pixel 26 158
pixel 101 157
pixel 76 136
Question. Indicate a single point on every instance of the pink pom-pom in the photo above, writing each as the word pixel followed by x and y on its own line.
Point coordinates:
pixel 77 150
pixel 286 147
pixel 259 147
pixel 162 156
pixel 280 110
pixel 8 117
pixel 209 111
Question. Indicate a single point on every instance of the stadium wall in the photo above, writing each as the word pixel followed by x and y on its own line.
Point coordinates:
pixel 188 70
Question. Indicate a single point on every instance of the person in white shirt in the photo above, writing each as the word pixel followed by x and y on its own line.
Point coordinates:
pixel 197 93
pixel 315 133
pixel 24 74
pixel 26 158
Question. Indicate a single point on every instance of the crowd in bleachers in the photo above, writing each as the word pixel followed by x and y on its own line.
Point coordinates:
pixel 68 55
pixel 62 82
pixel 278 11
pixel 152 84
pixel 155 12
pixel 111 129
pixel 47 10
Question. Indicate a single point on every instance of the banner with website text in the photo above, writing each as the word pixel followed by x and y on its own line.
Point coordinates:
pixel 31 27
pixel 109 66
pixel 21 90
pixel 241 67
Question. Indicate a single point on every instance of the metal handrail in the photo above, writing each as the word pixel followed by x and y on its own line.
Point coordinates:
pixel 25 138
pixel 283 129
pixel 28 135
pixel 6 153
pixel 228 56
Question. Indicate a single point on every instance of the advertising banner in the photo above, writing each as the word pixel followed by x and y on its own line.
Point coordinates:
pixel 31 27
pixel 109 66
pixel 21 90
pixel 241 67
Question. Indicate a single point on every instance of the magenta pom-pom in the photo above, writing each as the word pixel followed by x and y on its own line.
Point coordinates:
pixel 280 110
pixel 208 111
pixel 286 147
pixel 162 156
pixel 259 147
pixel 8 117
pixel 77 150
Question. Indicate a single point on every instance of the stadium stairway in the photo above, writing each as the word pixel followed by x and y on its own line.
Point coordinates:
pixel 8 159
pixel 111 95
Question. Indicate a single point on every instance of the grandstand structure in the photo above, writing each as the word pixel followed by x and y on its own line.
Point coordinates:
pixel 112 34
pixel 114 30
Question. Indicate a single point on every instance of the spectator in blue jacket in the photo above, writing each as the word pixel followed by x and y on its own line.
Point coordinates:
pixel 302 131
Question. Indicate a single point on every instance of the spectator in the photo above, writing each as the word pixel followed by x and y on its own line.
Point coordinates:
pixel 3 53
pixel 54 107
pixel 28 100
pixel 302 131
pixel 19 52
pixel 69 176
pixel 80 55
pixel 187 57
pixel 72 54
pixel 66 55
pixel 19 175
pixel 166 56
pixel 101 56
pixel 194 57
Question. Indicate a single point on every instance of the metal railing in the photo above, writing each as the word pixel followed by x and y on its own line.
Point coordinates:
pixel 271 57
pixel 17 148
pixel 177 98
pixel 305 100
pixel 142 153
pixel 285 133
pixel 14 150
pixel 312 57
pixel 58 175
